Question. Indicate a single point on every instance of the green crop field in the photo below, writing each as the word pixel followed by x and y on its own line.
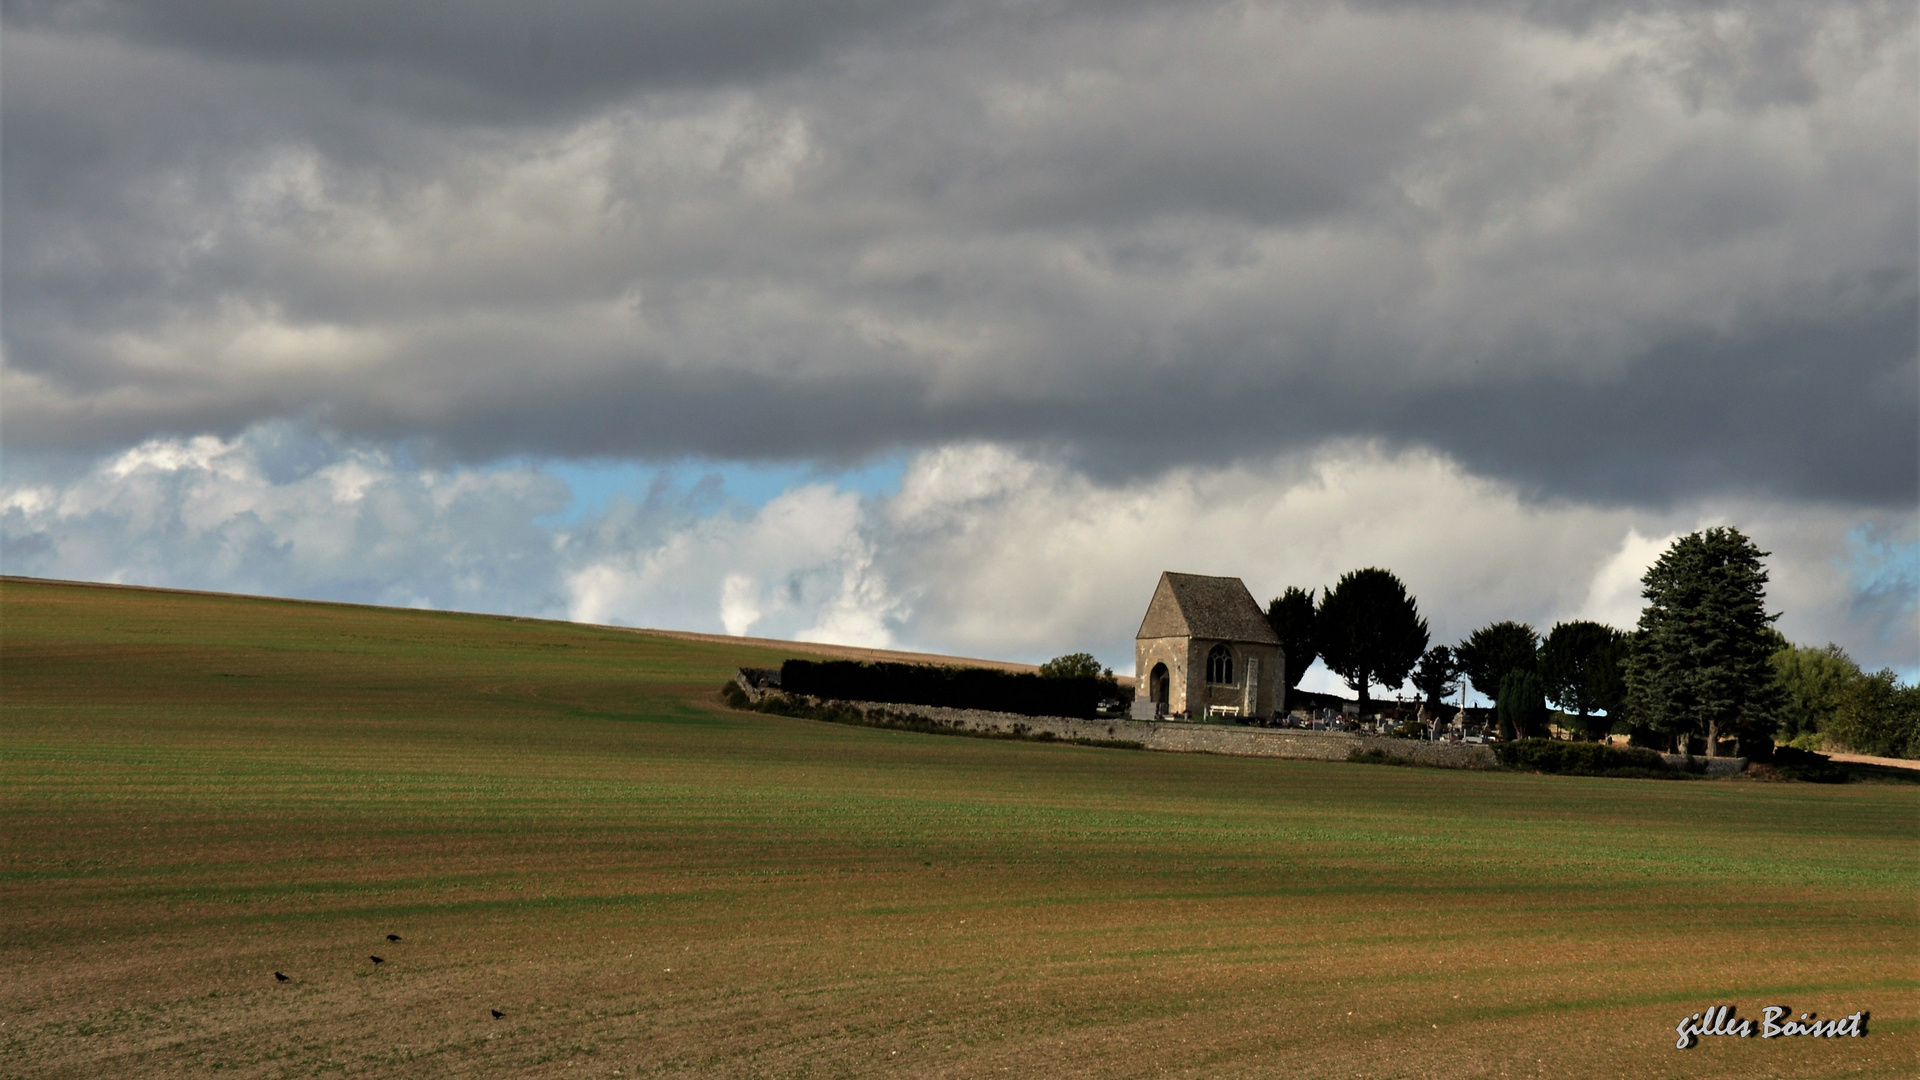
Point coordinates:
pixel 563 824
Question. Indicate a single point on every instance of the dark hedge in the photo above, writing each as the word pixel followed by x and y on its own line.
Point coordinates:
pixel 953 688
pixel 1581 759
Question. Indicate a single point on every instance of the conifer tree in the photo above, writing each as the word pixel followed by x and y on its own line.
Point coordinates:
pixel 1699 661
pixel 1492 651
pixel 1369 630
pixel 1581 665
pixel 1521 705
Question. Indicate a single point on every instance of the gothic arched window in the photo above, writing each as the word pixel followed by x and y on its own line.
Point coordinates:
pixel 1220 665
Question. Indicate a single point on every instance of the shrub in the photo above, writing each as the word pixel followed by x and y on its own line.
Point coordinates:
pixel 1581 759
pixel 1376 756
pixel 1793 763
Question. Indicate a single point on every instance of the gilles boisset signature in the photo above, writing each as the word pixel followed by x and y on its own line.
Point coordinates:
pixel 1720 1020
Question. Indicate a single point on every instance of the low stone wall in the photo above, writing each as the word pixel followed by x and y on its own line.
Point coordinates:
pixel 1180 737
pixel 1191 738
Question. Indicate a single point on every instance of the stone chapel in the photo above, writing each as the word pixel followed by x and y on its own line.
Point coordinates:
pixel 1204 651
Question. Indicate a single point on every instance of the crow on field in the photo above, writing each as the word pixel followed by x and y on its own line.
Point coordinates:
pixel 376 959
pixel 393 937
pixel 497 1014
pixel 279 977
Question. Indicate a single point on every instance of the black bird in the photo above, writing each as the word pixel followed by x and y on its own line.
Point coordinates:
pixel 279 977
pixel 376 959
pixel 497 1014
pixel 393 937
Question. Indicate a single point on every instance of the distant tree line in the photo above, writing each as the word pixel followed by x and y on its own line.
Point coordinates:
pixel 1704 663
pixel 1830 703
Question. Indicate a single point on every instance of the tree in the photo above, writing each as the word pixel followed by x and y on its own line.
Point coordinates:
pixel 1580 666
pixel 1876 715
pixel 1521 705
pixel 1437 677
pixel 1492 651
pixel 1811 683
pixel 1073 666
pixel 1083 666
pixel 1291 615
pixel 1699 662
pixel 1369 630
pixel 1611 691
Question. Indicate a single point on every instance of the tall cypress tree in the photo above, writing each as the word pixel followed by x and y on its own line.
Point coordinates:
pixel 1521 705
pixel 1698 664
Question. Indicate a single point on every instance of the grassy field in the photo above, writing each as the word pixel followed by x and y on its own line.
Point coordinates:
pixel 561 823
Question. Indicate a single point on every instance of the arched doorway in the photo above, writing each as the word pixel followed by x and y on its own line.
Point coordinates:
pixel 1159 688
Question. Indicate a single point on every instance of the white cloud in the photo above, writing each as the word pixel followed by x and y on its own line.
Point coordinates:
pixel 739 604
pixel 224 514
pixel 862 612
pixel 797 567
pixel 1614 596
pixel 982 551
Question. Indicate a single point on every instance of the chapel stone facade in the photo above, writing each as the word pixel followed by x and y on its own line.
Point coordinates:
pixel 1205 651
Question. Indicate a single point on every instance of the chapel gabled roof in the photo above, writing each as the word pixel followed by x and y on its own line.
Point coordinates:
pixel 1216 608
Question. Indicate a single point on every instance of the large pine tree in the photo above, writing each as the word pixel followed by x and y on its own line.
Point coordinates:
pixel 1698 665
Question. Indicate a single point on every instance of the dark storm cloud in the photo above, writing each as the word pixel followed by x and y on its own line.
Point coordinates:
pixel 491 60
pixel 1628 253
pixel 1820 411
pixel 1692 415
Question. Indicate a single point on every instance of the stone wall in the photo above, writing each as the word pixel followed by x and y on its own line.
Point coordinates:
pixel 1193 738
pixel 1180 737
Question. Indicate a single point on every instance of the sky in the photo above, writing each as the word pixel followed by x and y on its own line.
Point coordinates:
pixel 949 326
